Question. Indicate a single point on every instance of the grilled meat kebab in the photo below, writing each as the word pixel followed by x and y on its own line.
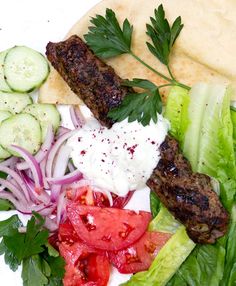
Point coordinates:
pixel 188 196
pixel 95 82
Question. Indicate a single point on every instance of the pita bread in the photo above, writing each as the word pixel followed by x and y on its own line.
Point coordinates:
pixel 205 50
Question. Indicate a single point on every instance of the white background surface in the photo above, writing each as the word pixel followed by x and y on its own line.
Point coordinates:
pixel 34 23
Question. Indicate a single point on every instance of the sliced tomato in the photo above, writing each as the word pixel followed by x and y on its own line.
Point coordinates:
pixel 75 252
pixel 121 202
pixel 53 240
pixel 108 229
pixel 82 195
pixel 67 232
pixel 98 269
pixel 100 200
pixel 73 276
pixel 86 196
pixel 139 256
pixel 84 266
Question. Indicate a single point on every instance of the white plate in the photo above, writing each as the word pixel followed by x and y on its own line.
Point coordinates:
pixel 34 24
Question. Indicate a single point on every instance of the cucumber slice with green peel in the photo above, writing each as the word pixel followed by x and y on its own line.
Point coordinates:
pixel 22 130
pixel 4 154
pixel 45 113
pixel 14 102
pixel 3 84
pixel 25 69
pixel 4 115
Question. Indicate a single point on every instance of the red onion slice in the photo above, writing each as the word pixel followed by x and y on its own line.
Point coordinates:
pixel 42 153
pixel 11 162
pixel 61 207
pixel 19 182
pixel 18 205
pixel 62 130
pixel 37 198
pixel 14 190
pixel 43 169
pixel 71 167
pixel 60 167
pixel 61 161
pixel 44 210
pixel 67 179
pixel 33 164
pixel 54 150
pixel 80 184
pixel 50 224
pixel 76 117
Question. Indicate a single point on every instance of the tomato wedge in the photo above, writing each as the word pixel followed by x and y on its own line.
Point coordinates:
pixel 139 256
pixel 83 195
pixel 73 276
pixel 121 202
pixel 75 252
pixel 67 232
pixel 84 266
pixel 108 229
pixel 98 269
pixel 86 196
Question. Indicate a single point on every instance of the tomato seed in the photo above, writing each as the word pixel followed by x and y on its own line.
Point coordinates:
pixel 127 231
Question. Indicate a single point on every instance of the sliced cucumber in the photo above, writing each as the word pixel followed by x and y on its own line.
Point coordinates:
pixel 14 102
pixel 45 113
pixel 22 130
pixel 25 69
pixel 3 84
pixel 3 153
pixel 4 115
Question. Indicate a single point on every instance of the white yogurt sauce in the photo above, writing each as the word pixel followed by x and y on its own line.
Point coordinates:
pixel 121 158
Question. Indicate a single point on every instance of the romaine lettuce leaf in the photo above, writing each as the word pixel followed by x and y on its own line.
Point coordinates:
pixel 176 112
pixel 207 141
pixel 201 122
pixel 155 204
pixel 203 267
pixel 164 222
pixel 233 119
pixel 229 277
pixel 216 148
pixel 166 262
pixel 214 156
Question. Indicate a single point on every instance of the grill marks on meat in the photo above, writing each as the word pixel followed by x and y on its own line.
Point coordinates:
pixel 187 195
pixel 91 79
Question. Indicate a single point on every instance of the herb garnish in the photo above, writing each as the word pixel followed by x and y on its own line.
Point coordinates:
pixel 139 106
pixel 41 263
pixel 163 36
pixel 107 39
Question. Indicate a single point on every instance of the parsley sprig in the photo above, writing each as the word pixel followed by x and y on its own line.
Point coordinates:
pixel 163 36
pixel 139 106
pixel 108 39
pixel 41 263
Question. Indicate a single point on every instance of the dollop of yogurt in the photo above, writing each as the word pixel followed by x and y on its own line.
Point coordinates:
pixel 119 159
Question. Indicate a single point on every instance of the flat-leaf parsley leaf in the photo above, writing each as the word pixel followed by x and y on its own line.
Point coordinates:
pixel 162 35
pixel 108 39
pixel 41 263
pixel 139 106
